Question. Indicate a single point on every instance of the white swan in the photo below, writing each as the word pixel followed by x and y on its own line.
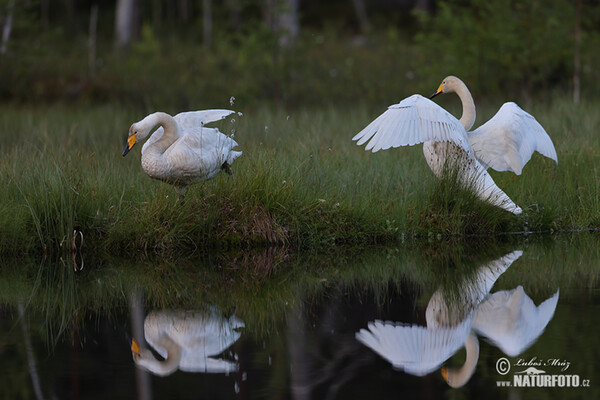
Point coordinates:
pixel 505 143
pixel 511 321
pixel 419 350
pixel 182 150
pixel 187 340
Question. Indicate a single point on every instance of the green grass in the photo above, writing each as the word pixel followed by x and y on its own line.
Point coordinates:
pixel 301 182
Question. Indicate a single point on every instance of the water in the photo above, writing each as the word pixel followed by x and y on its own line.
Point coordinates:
pixel 276 325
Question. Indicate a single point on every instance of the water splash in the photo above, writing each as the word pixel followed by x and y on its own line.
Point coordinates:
pixel 231 100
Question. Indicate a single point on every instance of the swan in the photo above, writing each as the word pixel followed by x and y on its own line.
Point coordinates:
pixel 182 151
pixel 511 321
pixel 505 143
pixel 419 350
pixel 187 340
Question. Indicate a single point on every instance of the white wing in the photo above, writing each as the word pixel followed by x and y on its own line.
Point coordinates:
pixel 194 119
pixel 507 141
pixel 416 350
pixel 414 120
pixel 511 321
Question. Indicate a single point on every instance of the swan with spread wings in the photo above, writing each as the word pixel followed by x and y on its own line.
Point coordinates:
pixel 505 143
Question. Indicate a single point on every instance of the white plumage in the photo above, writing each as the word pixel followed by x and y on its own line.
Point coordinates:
pixel 182 151
pixel 505 143
pixel 511 321
pixel 188 340
pixel 419 350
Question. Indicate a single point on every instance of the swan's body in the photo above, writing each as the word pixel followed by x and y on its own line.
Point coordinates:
pixel 511 321
pixel 187 340
pixel 419 350
pixel 505 143
pixel 182 151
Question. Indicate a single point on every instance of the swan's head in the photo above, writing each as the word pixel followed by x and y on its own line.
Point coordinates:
pixel 449 84
pixel 144 358
pixel 137 131
pixel 456 378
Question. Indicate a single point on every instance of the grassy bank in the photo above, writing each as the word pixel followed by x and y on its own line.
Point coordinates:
pixel 301 182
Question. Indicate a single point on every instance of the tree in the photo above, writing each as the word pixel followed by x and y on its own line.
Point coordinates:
pixel 282 17
pixel 125 23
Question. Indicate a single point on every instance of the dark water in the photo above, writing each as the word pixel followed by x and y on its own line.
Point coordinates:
pixel 290 331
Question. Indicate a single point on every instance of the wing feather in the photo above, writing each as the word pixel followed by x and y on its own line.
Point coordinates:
pixel 508 140
pixel 196 119
pixel 414 120
pixel 414 349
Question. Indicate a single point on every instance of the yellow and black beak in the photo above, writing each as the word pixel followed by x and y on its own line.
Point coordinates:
pixel 130 143
pixel 135 347
pixel 438 91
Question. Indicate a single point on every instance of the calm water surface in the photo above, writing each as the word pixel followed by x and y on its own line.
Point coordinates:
pixel 275 326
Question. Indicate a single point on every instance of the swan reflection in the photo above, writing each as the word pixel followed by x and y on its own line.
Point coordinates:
pixel 187 340
pixel 509 319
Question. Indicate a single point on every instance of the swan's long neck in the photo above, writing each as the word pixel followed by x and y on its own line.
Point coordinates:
pixel 458 377
pixel 169 365
pixel 468 116
pixel 170 129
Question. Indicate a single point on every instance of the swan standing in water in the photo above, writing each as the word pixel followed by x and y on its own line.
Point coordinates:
pixel 419 350
pixel 505 143
pixel 182 151
pixel 187 340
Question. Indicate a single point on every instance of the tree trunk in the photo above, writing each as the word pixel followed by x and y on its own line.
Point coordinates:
pixel 92 40
pixel 577 55
pixel 235 14
pixel 124 22
pixel 206 23
pixel 282 17
pixel 7 28
pixel 361 14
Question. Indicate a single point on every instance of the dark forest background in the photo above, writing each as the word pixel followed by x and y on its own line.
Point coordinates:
pixel 193 54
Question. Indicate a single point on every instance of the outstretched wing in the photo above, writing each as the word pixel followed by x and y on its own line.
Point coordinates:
pixel 507 141
pixel 197 119
pixel 414 120
pixel 414 349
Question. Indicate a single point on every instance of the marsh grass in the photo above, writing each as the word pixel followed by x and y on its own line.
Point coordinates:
pixel 301 182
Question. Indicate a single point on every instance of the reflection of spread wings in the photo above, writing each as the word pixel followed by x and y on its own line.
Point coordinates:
pixel 414 349
pixel 510 319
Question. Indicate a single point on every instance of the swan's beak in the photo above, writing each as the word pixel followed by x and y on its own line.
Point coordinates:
pixel 438 91
pixel 135 347
pixel 130 144
pixel 444 373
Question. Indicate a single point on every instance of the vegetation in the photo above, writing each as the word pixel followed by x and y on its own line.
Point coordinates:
pixel 301 182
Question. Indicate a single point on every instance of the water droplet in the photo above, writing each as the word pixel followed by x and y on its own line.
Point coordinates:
pixel 266 128
pixel 287 118
pixel 236 387
pixel 244 376
pixel 233 120
pixel 269 361
pixel 231 100
pixel 240 114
